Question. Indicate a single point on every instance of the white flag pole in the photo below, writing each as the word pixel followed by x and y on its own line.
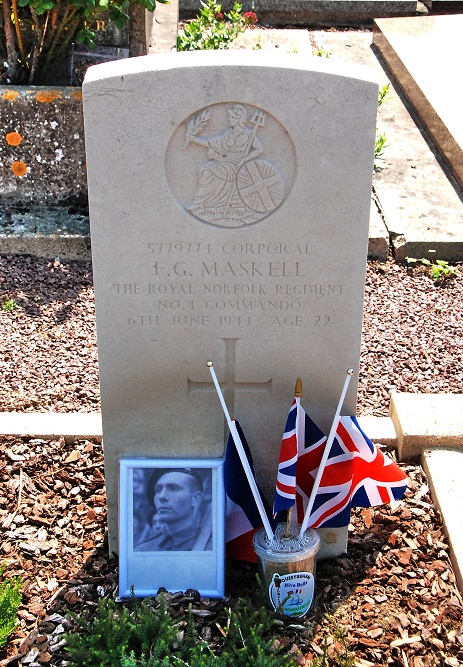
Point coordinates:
pixel 326 453
pixel 242 455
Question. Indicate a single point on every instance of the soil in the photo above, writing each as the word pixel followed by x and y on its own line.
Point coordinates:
pixel 394 593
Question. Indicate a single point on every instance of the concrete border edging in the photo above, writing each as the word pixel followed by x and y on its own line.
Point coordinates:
pixel 426 420
pixel 52 425
pixel 444 470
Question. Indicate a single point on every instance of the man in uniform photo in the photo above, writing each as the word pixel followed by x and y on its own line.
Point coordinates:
pixel 177 495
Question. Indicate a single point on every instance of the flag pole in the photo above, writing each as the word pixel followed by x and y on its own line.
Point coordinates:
pixel 242 455
pixel 297 396
pixel 326 453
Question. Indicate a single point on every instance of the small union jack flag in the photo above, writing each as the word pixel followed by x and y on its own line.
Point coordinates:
pixel 285 492
pixel 357 474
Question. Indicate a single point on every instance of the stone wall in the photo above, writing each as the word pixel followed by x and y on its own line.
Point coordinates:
pixel 42 152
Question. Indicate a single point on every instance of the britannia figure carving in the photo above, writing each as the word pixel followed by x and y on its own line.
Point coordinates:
pixel 237 185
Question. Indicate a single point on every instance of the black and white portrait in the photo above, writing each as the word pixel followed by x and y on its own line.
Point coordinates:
pixel 172 509
pixel 171 526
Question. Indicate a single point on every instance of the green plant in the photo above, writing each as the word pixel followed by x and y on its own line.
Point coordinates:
pixel 10 599
pixel 337 651
pixel 440 269
pixel 37 33
pixel 213 29
pixel 380 145
pixel 145 635
pixel 322 53
pixel 381 139
pixel 117 632
pixel 9 305
pixel 382 93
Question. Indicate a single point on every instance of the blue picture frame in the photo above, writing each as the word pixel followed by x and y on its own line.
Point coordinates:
pixel 161 544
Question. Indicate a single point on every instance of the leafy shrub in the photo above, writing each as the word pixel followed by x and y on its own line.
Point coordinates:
pixel 213 29
pixel 37 33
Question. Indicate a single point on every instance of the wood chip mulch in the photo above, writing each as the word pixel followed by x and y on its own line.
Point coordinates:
pixel 48 353
pixel 412 338
pixel 394 593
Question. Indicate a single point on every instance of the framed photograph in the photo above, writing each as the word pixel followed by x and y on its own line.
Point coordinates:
pixel 171 526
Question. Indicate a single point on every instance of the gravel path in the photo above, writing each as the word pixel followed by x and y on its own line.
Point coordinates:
pixel 412 337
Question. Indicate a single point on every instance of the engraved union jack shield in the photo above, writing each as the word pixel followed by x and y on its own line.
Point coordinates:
pixel 260 186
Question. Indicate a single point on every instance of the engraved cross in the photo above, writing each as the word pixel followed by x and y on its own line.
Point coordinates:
pixel 230 385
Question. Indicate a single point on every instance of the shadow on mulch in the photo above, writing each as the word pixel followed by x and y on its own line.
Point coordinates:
pixel 35 283
pixel 48 336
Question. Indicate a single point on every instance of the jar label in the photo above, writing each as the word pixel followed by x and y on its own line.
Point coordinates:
pixel 292 594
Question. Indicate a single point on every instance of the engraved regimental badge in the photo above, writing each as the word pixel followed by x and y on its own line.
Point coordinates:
pixel 242 164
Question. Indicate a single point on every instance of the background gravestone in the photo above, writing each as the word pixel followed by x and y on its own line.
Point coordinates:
pixel 254 259
pixel 111 42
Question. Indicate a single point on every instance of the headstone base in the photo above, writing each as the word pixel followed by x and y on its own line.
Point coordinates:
pixel 333 542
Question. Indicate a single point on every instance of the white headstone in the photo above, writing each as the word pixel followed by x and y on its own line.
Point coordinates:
pixel 229 202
